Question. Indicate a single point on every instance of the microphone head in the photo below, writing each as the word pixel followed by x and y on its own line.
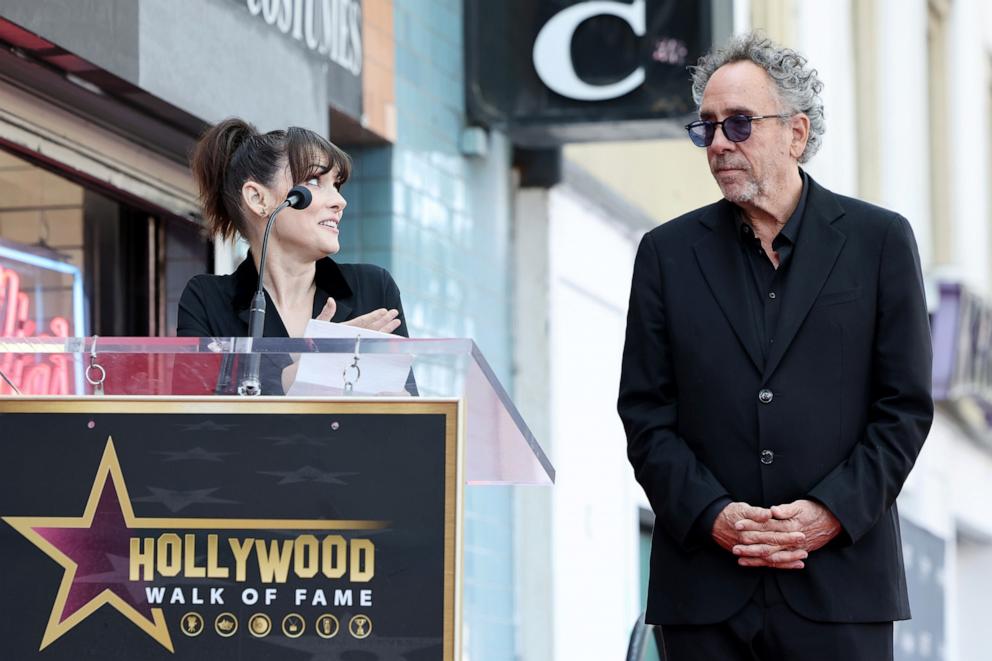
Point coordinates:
pixel 299 197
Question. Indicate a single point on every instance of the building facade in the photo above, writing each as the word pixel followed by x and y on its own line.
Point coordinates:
pixel 898 76
pixel 100 103
pixel 525 247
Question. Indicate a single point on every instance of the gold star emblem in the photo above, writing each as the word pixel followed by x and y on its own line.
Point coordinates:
pixel 84 589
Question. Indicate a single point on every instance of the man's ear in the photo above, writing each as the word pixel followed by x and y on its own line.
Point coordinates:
pixel 255 198
pixel 800 134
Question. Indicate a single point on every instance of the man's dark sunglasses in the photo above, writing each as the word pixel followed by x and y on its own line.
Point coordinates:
pixel 737 128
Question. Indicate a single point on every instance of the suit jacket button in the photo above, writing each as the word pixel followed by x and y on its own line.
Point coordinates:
pixel 765 396
pixel 767 457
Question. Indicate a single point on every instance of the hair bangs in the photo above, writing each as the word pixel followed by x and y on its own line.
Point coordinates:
pixel 309 155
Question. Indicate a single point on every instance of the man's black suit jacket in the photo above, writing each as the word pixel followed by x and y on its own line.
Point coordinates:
pixel 849 371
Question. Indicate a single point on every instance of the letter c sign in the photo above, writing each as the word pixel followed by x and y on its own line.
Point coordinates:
pixel 553 56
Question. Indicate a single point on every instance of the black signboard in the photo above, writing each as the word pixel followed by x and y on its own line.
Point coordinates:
pixel 554 71
pixel 219 529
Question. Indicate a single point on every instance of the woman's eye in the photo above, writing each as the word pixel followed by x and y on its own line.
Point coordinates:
pixel 313 181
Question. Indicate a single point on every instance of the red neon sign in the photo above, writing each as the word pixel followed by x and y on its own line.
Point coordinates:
pixel 32 374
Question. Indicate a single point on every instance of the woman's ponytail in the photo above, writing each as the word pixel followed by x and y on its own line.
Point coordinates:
pixel 212 160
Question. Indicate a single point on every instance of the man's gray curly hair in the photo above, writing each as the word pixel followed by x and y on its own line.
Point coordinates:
pixel 798 85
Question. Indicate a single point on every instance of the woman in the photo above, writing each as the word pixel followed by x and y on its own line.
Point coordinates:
pixel 242 176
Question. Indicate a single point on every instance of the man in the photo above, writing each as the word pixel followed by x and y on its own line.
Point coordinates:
pixel 775 387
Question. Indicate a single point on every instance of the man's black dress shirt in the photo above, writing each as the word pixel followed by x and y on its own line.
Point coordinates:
pixel 767 287
pixel 767 283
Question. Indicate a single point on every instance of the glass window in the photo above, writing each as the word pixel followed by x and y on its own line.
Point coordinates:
pixel 80 262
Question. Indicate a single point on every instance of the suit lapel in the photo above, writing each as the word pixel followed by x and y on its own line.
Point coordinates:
pixel 817 248
pixel 722 263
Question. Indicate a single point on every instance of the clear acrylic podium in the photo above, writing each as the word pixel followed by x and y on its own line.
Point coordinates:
pixel 145 514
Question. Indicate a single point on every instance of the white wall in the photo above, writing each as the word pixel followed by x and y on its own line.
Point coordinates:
pixel 969 60
pixel 534 545
pixel 902 113
pixel 827 41
pixel 974 581
pixel 595 527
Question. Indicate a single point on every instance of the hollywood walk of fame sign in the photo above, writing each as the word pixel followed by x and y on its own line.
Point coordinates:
pixel 111 548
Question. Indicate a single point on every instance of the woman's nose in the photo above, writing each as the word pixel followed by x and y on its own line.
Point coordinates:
pixel 337 200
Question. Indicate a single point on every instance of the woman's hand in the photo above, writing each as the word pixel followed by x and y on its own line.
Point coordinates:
pixel 382 320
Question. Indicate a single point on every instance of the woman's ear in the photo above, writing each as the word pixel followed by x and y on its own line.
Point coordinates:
pixel 255 198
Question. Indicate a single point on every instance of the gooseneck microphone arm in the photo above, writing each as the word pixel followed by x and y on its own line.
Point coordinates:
pixel 299 198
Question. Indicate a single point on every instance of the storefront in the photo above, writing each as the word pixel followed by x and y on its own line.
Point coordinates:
pixel 100 103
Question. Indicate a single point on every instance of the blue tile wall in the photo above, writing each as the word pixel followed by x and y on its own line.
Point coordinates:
pixel 415 209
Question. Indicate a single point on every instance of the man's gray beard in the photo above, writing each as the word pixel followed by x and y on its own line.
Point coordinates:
pixel 747 193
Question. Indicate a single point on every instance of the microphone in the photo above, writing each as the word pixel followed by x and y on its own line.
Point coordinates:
pixel 299 197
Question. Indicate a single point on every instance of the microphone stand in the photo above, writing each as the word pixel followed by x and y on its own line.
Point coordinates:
pixel 250 385
pixel 299 198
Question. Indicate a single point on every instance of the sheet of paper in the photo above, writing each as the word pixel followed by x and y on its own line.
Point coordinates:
pixel 323 374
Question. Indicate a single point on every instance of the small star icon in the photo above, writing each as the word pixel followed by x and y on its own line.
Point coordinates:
pixel 308 474
pixel 175 501
pixel 294 439
pixel 194 454
pixel 207 425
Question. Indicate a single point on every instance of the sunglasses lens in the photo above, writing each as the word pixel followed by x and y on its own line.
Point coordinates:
pixel 701 133
pixel 737 128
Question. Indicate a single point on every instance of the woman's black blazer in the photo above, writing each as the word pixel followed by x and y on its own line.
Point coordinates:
pixel 218 306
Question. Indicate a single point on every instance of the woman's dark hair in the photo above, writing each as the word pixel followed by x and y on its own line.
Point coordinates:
pixel 233 152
